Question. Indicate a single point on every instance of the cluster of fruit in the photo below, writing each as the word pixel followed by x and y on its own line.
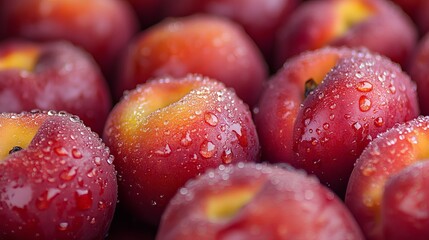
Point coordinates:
pixel 219 119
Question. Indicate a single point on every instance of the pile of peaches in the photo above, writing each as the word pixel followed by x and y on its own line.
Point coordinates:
pixel 214 119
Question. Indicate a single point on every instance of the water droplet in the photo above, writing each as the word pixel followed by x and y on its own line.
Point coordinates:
pixel 392 89
pixel 364 103
pixel 63 226
pixel 46 198
pixel 97 161
pixel 76 153
pixel 60 151
pixel 359 74
pixel 364 86
pixel 110 159
pixel 52 112
pixel 378 121
pixel 207 149
pixel 91 173
pixel 326 126
pixel 83 199
pixel 74 118
pixel 240 133
pixel 211 119
pixel 357 126
pixel 227 156
pixel 165 152
pixel 101 205
pixel 68 174
pixel 187 140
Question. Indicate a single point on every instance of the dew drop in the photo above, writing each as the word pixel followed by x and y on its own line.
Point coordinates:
pixel 364 86
pixel 326 126
pixel 240 134
pixel 76 153
pixel 379 122
pixel 91 173
pixel 227 156
pixel 359 74
pixel 63 226
pixel 97 161
pixel 186 141
pixel 44 200
pixel 74 118
pixel 68 174
pixel 211 119
pixel 110 159
pixel 357 126
pixel 101 205
pixel 164 152
pixel 368 171
pixel 364 103
pixel 60 151
pixel 83 199
pixel 207 149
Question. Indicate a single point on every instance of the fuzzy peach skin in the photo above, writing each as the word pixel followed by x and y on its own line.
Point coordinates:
pixel 169 130
pixel 53 76
pixel 260 19
pixel 57 180
pixel 378 25
pixel 203 44
pixel 387 191
pixel 101 27
pixel 256 201
pixel 324 127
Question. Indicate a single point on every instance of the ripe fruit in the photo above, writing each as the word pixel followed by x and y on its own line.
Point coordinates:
pixel 52 76
pixel 323 107
pixel 101 27
pixel 169 130
pixel 375 24
pixel 57 180
pixel 207 45
pixel 387 192
pixel 419 73
pixel 271 14
pixel 255 201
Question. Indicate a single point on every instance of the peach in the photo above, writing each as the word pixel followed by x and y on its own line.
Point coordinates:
pixel 255 201
pixel 323 107
pixel 57 180
pixel 419 73
pixel 53 76
pixel 375 24
pixel 169 130
pixel 203 44
pixel 101 27
pixel 387 191
pixel 262 29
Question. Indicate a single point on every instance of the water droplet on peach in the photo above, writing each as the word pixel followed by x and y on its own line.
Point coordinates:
pixel 186 141
pixel 60 151
pixel 63 226
pixel 207 149
pixel 364 103
pixel 227 156
pixel 364 86
pixel 44 200
pixel 91 173
pixel 210 119
pixel 68 174
pixel 326 126
pixel 240 133
pixel 83 199
pixel 110 159
pixel 97 161
pixel 378 121
pixel 76 153
pixel 164 152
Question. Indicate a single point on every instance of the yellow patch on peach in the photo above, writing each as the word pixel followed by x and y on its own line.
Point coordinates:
pixel 421 148
pixel 228 203
pixel 143 104
pixel 24 59
pixel 17 132
pixel 349 13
